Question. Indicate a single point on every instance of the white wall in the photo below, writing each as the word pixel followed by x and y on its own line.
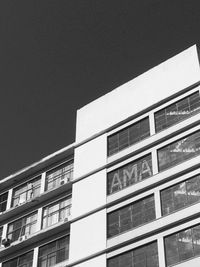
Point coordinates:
pixel 89 194
pixel 88 236
pixel 95 262
pixel 90 156
pixel 154 85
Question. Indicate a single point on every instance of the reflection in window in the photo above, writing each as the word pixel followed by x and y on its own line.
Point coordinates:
pixel 131 216
pixel 22 227
pixel 24 192
pixel 3 201
pixel 179 151
pixel 25 260
pixel 180 195
pixel 59 176
pixel 180 110
pixel 56 212
pixel 129 174
pixel 54 252
pixel 1 231
pixel 183 245
pixel 128 136
pixel 145 256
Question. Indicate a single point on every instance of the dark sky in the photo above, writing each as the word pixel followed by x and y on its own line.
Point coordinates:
pixel 58 55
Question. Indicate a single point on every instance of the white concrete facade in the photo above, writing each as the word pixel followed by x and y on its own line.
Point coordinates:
pixel 159 87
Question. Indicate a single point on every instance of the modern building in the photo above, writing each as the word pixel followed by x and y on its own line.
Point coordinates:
pixel 127 192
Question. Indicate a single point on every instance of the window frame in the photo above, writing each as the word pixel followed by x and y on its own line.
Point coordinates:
pixel 28 188
pixel 23 226
pixel 191 227
pixel 175 101
pixel 18 259
pixel 130 205
pixel 56 241
pixel 175 184
pixel 3 201
pixel 131 251
pixel 58 178
pixel 170 142
pixel 128 127
pixel 45 222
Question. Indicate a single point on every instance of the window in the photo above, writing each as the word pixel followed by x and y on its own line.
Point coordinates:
pixel 54 252
pixel 179 151
pixel 128 136
pixel 182 245
pixel 129 174
pixel 145 256
pixel 180 110
pixel 180 195
pixel 24 192
pixel 25 260
pixel 22 227
pixel 3 201
pixel 131 216
pixel 59 175
pixel 56 212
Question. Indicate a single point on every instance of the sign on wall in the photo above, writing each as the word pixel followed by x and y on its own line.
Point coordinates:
pixel 129 174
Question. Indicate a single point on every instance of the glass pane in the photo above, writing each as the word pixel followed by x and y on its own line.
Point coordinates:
pixel 113 224
pixel 51 260
pixel 125 260
pixel 180 196
pixel 114 262
pixel 61 255
pixel 196 239
pixel 125 216
pixel 139 257
pixel 123 139
pixel 185 245
pixel 11 263
pixel 171 250
pixel 167 200
pixel 193 189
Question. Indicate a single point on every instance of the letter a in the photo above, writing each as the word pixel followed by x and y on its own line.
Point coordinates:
pixel 116 183
pixel 145 169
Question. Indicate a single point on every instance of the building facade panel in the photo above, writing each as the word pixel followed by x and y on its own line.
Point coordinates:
pixel 85 196
pixel 88 236
pixel 90 156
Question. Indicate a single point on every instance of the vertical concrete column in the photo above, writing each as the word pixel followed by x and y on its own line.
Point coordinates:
pixel 0 264
pixel 88 231
pixel 157 204
pixel 39 220
pixel 35 257
pixel 42 189
pixel 154 161
pixel 9 200
pixel 161 252
pixel 152 123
